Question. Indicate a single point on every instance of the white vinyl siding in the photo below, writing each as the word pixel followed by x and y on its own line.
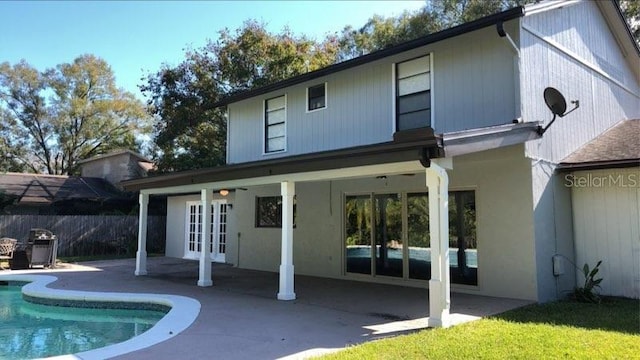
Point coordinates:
pixel 413 102
pixel 606 220
pixel 275 116
pixel 361 101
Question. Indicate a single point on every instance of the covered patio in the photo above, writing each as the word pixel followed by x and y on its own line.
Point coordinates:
pixel 240 317
pixel 420 154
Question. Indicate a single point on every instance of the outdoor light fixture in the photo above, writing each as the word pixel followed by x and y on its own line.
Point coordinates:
pixel 224 192
pixel 558 106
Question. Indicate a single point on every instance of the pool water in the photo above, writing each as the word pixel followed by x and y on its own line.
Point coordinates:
pixel 30 330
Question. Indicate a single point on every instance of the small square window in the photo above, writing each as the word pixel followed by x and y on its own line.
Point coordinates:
pixel 316 97
pixel 269 211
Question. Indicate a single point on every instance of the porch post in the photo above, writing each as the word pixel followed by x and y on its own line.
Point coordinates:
pixel 141 254
pixel 439 285
pixel 286 259
pixel 204 279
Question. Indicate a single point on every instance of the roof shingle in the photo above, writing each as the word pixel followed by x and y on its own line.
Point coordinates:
pixel 616 147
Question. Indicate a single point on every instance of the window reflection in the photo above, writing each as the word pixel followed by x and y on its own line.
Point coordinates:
pixel 387 257
pixel 358 234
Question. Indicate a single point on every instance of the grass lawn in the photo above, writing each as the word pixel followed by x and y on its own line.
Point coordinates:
pixel 564 329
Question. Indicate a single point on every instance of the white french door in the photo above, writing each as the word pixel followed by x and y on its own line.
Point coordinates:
pixel 217 241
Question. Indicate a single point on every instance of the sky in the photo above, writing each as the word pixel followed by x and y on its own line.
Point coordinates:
pixel 137 37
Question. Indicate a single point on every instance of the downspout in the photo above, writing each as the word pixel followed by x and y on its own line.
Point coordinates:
pixel 516 69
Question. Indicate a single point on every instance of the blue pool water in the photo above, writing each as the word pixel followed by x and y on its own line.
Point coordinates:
pixel 30 330
pixel 415 253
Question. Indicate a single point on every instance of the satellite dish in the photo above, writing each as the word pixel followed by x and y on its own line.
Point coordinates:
pixel 557 104
pixel 555 101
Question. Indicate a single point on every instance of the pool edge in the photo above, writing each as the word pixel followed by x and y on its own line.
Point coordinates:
pixel 183 313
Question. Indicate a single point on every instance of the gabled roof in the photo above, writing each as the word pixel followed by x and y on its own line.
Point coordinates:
pixel 136 155
pixel 617 147
pixel 33 189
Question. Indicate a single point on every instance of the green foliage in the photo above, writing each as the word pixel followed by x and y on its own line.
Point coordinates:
pixel 188 132
pixel 631 11
pixel 55 118
pixel 358 220
pixel 565 330
pixel 6 200
pixel 587 292
pixel 252 57
pixel 380 32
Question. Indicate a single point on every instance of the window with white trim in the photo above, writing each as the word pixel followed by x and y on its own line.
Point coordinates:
pixel 275 115
pixel 317 97
pixel 413 94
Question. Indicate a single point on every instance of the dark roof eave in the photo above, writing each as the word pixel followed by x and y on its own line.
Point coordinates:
pixel 597 165
pixel 327 160
pixel 377 55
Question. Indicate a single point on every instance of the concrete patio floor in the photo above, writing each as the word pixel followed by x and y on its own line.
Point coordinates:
pixel 240 317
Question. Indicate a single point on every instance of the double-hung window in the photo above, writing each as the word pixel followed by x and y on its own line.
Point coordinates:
pixel 275 136
pixel 413 94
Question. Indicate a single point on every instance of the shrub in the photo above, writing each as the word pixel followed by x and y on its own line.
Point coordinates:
pixel 588 292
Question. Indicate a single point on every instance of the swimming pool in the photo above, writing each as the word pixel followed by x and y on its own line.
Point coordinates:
pixel 29 330
pixel 87 325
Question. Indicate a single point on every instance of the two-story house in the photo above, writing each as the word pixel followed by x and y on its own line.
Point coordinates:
pixel 421 165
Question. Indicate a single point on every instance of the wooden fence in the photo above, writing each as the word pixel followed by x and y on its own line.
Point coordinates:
pixel 83 235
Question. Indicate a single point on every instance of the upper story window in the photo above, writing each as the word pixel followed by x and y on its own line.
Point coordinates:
pixel 275 116
pixel 413 94
pixel 317 97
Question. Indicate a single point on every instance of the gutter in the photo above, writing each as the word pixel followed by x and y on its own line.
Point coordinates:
pixel 385 153
pixel 598 165
pixel 474 140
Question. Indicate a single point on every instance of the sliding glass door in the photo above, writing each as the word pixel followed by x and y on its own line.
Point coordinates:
pixel 387 235
pixel 358 234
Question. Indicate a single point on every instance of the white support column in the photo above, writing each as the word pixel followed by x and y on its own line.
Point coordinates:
pixel 141 254
pixel 288 190
pixel 440 284
pixel 204 278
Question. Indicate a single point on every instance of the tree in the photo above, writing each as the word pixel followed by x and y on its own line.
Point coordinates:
pixel 188 132
pixel 631 11
pixel 380 32
pixel 55 118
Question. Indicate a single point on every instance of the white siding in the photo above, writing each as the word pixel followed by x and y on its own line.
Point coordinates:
pixel 474 86
pixel 575 42
pixel 573 50
pixel 606 217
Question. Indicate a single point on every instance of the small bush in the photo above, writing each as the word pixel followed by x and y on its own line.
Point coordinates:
pixel 587 292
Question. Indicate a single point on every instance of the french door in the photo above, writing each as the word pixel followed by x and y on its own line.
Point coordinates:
pixel 218 235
